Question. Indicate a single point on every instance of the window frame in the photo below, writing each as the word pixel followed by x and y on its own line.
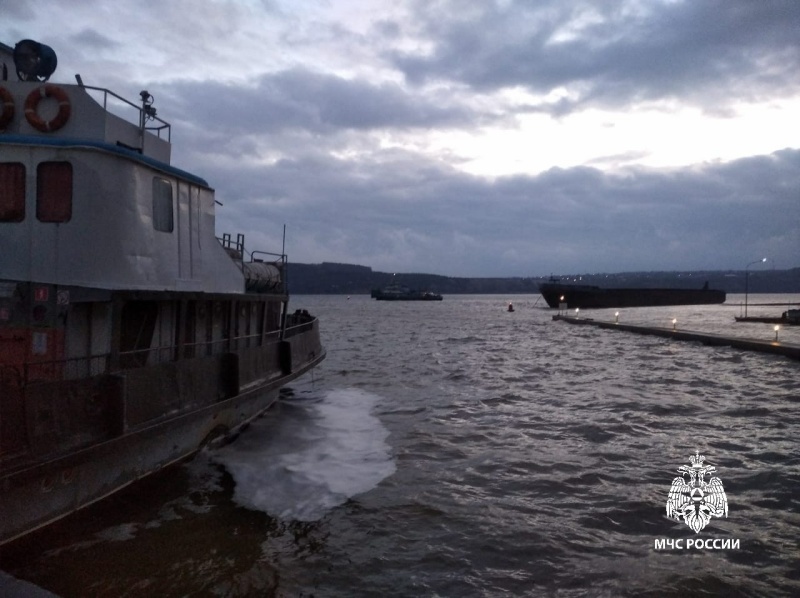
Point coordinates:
pixel 16 206
pixel 161 222
pixel 54 191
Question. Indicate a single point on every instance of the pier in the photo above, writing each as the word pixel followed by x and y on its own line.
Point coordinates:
pixel 748 344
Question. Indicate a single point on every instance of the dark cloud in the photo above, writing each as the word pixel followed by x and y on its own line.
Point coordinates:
pixel 316 102
pixel 621 52
pixel 402 213
pixel 349 131
pixel 89 39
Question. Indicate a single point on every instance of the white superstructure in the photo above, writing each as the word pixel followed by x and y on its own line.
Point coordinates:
pixel 102 186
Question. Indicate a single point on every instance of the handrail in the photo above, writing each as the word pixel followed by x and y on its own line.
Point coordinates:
pixel 143 116
pixel 75 368
pixel 237 246
pixel 172 349
pixel 281 256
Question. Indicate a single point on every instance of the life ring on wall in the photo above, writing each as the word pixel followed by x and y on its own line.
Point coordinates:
pixel 32 105
pixel 7 103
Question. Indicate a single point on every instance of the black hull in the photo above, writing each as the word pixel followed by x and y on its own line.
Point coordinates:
pixel 768 320
pixel 409 298
pixel 576 296
pixel 401 293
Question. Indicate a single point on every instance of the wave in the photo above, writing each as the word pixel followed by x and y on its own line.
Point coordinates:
pixel 324 449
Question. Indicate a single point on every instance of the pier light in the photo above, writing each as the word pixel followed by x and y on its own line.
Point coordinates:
pixel 746 281
pixel 776 332
pixel 674 322
pixel 616 317
pixel 577 311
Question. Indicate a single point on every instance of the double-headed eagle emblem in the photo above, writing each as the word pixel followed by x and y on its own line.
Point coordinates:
pixel 696 501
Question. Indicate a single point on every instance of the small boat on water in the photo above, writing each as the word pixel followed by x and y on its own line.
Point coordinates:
pixel 398 292
pixel 130 334
pixel 571 296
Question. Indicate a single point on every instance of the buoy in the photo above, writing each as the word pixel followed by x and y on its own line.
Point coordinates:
pixel 510 306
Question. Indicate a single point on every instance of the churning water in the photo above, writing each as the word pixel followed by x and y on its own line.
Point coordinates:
pixel 457 449
pixel 321 452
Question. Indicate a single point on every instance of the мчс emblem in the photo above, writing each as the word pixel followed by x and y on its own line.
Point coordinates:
pixel 695 502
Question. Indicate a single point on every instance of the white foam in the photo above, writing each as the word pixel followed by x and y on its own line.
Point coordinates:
pixel 312 457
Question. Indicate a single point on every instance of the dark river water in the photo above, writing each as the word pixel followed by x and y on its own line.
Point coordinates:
pixel 455 449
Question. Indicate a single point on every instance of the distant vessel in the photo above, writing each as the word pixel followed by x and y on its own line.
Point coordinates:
pixel 397 292
pixel 587 296
pixel 130 336
pixel 790 317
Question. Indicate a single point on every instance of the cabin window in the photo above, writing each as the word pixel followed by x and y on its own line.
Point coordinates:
pixel 162 205
pixel 12 192
pixel 54 192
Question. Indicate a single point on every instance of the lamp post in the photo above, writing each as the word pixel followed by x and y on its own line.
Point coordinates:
pixel 746 281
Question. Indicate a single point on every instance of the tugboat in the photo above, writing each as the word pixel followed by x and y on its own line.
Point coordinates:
pixel 130 335
pixel 398 292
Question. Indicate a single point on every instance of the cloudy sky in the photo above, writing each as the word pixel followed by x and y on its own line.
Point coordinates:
pixel 467 137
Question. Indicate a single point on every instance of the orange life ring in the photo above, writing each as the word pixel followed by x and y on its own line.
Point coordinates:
pixel 32 105
pixel 7 102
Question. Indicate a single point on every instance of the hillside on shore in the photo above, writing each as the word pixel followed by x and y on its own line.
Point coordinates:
pixel 347 279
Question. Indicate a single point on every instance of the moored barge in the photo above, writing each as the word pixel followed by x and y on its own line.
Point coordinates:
pixel 573 296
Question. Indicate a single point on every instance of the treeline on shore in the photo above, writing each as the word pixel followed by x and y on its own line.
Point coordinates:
pixel 347 279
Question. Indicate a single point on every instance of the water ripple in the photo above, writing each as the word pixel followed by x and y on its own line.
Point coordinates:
pixel 512 456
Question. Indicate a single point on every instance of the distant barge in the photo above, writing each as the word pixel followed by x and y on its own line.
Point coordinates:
pixel 789 318
pixel 587 296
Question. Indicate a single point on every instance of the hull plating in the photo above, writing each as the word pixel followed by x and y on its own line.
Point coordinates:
pixel 40 492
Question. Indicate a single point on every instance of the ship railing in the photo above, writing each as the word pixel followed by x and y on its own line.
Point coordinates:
pixel 236 250
pixel 280 258
pixel 144 115
pixel 294 330
pixel 169 353
pixel 298 322
pixel 22 374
